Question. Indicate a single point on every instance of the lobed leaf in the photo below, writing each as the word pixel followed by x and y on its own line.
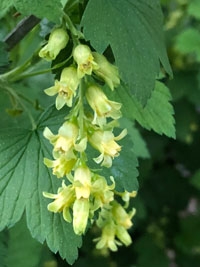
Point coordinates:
pixel 124 168
pixel 133 29
pixel 157 115
pixel 23 178
pixel 139 145
pixel 48 9
pixel 22 249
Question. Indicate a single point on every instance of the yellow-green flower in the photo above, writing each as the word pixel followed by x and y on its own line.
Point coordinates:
pixel 65 88
pixel 123 235
pixel 104 142
pixel 65 140
pixel 81 209
pixel 82 182
pixel 120 215
pixel 85 60
pixel 101 191
pixel 61 166
pixel 107 71
pixel 102 107
pixel 107 239
pixel 58 39
pixel 63 200
pixel 126 196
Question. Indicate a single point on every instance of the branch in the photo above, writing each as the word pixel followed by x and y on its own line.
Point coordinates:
pixel 20 31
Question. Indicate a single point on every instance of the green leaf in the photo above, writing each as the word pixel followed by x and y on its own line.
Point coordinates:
pixel 124 168
pixel 133 29
pixel 50 9
pixel 23 178
pixel 22 249
pixel 139 145
pixel 4 6
pixel 188 42
pixel 157 115
pixel 3 247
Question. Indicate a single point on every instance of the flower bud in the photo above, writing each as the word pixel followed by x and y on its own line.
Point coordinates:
pixel 80 215
pixel 82 182
pixel 65 88
pixel 121 216
pixel 107 71
pixel 102 107
pixel 85 60
pixel 58 39
pixel 123 235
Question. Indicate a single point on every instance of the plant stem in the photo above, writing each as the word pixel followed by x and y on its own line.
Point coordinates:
pixel 75 33
pixel 26 75
pixel 13 75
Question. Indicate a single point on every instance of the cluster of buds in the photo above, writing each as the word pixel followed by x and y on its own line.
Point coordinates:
pixel 84 192
pixel 114 222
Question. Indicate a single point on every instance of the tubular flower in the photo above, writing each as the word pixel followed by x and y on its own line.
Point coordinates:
pixel 65 88
pixel 104 142
pixel 85 60
pixel 81 209
pixel 82 182
pixel 101 106
pixel 114 221
pixel 107 71
pixel 123 235
pixel 64 141
pixel 101 191
pixel 121 216
pixel 107 239
pixel 63 200
pixel 61 166
pixel 58 39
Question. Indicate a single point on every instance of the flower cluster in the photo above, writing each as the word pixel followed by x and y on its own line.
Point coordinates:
pixel 86 193
pixel 91 121
pixel 114 221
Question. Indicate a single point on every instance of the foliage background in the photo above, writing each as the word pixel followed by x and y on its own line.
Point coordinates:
pixel 166 227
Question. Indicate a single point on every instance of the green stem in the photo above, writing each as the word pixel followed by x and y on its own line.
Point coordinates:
pixel 81 118
pixel 13 75
pixel 75 33
pixel 26 75
pixel 81 111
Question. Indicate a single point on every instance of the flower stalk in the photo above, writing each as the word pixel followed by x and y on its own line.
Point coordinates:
pixel 92 120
